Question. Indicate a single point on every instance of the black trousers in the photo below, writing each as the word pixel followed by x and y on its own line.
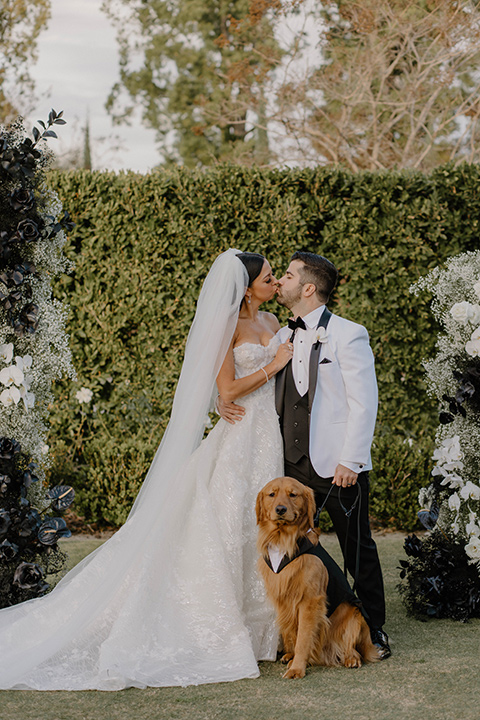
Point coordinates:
pixel 369 585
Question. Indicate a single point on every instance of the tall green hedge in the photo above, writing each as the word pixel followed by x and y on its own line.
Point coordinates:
pixel 142 246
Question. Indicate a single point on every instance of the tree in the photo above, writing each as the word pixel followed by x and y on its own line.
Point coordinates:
pixel 21 22
pixel 397 85
pixel 87 153
pixel 203 76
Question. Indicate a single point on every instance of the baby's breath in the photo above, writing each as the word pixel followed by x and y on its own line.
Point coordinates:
pixel 457 466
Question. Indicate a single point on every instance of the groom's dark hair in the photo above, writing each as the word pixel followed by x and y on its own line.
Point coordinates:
pixel 319 271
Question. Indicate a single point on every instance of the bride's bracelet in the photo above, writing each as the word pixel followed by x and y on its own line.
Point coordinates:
pixel 266 374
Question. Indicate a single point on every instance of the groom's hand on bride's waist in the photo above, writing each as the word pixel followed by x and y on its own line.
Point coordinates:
pixel 229 411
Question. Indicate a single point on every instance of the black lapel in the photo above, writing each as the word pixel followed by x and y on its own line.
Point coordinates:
pixel 280 390
pixel 314 358
pixel 303 546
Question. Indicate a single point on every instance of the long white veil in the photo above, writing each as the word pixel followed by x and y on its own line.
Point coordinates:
pixel 207 343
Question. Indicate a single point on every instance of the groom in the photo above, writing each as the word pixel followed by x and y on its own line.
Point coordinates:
pixel 326 400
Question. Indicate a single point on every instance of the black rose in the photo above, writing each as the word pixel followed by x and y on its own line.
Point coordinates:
pixel 29 576
pixel 29 523
pixel 22 199
pixel 8 550
pixel 27 230
pixel 8 448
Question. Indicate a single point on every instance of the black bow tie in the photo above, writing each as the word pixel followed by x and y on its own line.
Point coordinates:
pixel 294 325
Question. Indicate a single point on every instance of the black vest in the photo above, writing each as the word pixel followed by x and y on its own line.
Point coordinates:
pixel 295 420
pixel 294 409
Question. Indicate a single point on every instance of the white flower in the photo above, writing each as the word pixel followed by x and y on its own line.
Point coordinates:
pixel 461 312
pixel 473 345
pixel 24 362
pixel 471 528
pixel 10 396
pixel 452 480
pixel 27 397
pixel 44 449
pixel 321 335
pixel 473 548
pixel 448 456
pixel 470 491
pixel 476 288
pixel 208 423
pixel 474 316
pixel 11 375
pixel 454 502
pixel 84 395
pixel 6 352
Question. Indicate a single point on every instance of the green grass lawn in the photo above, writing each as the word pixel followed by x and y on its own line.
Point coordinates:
pixel 433 674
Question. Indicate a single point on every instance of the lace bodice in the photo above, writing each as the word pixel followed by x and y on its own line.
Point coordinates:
pixel 250 357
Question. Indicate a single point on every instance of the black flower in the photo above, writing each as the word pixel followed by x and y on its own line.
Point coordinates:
pixel 10 299
pixel 29 476
pixel 62 496
pixel 9 448
pixel 8 550
pixel 52 530
pixel 429 518
pixel 6 245
pixel 5 481
pixel 5 522
pixel 29 523
pixel 15 277
pixel 27 321
pixel 29 576
pixel 412 545
pixel 27 230
pixel 22 199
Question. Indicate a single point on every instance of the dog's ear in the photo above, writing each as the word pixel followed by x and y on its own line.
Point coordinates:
pixel 310 498
pixel 259 506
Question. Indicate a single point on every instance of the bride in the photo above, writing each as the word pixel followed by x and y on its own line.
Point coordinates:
pixel 173 597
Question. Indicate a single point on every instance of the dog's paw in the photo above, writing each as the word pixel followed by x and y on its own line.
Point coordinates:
pixel 294 673
pixel 354 661
pixel 286 658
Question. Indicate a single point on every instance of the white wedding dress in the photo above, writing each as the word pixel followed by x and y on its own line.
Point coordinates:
pixel 173 602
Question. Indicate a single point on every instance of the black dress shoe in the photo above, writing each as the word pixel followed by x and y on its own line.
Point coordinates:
pixel 380 640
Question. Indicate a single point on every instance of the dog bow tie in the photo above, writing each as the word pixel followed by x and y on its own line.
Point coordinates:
pixel 294 325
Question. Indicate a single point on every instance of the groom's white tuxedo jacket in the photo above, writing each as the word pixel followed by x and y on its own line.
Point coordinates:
pixel 344 409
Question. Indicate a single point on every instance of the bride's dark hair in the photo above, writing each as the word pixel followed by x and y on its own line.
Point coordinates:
pixel 254 263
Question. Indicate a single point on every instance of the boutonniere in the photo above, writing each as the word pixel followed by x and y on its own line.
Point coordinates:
pixel 321 336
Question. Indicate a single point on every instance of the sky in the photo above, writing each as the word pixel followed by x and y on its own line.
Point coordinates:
pixel 77 66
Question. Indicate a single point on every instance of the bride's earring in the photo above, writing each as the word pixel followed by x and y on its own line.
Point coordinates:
pixel 249 300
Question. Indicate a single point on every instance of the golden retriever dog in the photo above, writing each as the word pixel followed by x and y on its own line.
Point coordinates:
pixel 298 585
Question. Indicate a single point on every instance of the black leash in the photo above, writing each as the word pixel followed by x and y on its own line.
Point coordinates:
pixel 348 513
